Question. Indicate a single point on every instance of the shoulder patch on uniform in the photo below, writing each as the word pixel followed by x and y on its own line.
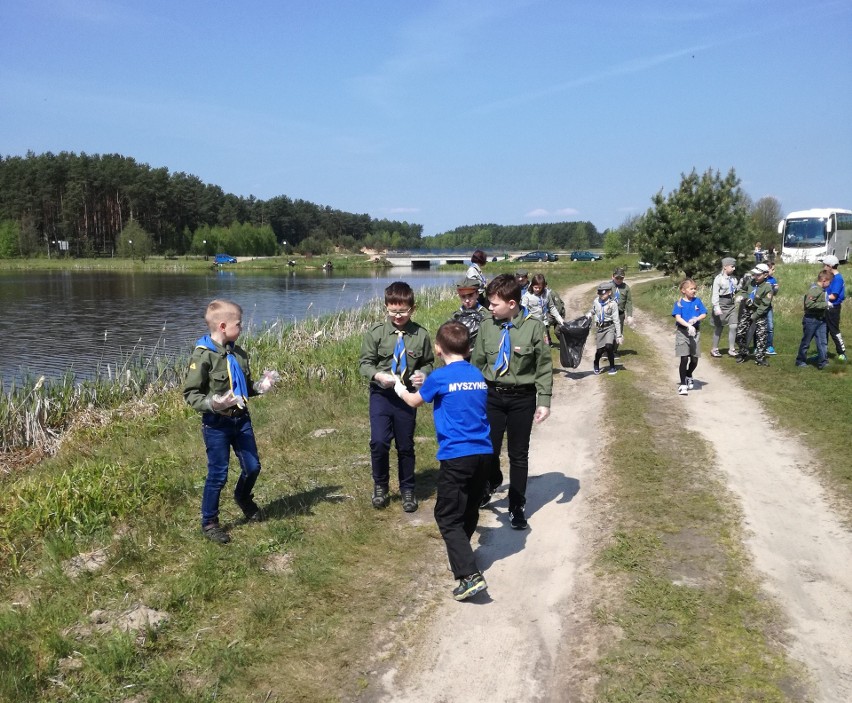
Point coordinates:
pixel 192 365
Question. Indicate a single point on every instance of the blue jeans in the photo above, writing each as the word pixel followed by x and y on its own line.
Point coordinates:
pixel 813 327
pixel 770 320
pixel 220 434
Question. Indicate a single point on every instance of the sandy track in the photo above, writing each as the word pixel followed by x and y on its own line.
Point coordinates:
pixel 531 637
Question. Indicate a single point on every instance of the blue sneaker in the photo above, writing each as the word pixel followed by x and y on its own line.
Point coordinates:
pixel 771 351
pixel 469 586
pixel 802 364
pixel 612 371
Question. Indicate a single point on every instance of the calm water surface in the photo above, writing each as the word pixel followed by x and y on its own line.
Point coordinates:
pixel 91 322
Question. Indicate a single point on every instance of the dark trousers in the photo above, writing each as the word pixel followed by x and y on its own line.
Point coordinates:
pixel 461 482
pixel 221 434
pixel 813 327
pixel 511 414
pixel 832 320
pixel 391 419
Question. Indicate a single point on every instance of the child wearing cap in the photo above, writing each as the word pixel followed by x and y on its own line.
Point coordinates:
pixel 471 311
pixel 622 297
pixel 460 395
pixel 688 312
pixel 836 294
pixel 770 317
pixel 604 311
pixel 754 309
pixel 724 309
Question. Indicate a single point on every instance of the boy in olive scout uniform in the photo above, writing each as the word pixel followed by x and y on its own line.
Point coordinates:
pixel 605 314
pixel 814 322
pixel 754 309
pixel 218 385
pixel 624 299
pixel 395 349
pixel 512 355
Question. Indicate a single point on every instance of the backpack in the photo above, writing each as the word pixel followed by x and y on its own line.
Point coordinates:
pixel 557 301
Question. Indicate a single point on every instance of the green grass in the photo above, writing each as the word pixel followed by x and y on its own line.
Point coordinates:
pixel 691 622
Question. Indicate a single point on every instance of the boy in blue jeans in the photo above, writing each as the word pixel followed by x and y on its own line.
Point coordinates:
pixel 813 321
pixel 218 385
pixel 464 449
pixel 395 349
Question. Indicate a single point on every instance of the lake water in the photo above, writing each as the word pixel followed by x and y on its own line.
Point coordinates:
pixel 56 321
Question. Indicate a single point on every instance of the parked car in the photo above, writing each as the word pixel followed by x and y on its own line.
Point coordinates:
pixel 538 256
pixel 225 259
pixel 585 256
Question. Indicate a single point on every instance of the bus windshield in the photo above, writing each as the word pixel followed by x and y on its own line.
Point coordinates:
pixel 805 232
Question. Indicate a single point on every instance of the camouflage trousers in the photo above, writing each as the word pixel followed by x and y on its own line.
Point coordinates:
pixel 761 336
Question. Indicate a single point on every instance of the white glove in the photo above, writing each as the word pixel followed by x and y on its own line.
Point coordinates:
pixel 588 316
pixel 690 330
pixel 269 379
pixel 829 304
pixel 385 380
pixel 738 299
pixel 417 379
pixel 629 321
pixel 226 400
pixel 717 311
pixel 558 318
pixel 541 414
pixel 399 388
pixel 619 340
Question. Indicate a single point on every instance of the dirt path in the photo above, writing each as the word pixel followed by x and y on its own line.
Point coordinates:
pixel 516 642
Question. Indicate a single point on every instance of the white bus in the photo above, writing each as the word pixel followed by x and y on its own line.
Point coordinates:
pixel 809 235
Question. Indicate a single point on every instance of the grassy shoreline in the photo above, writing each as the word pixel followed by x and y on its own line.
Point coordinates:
pixel 283 612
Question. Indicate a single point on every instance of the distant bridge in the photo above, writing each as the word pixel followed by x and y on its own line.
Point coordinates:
pixel 425 261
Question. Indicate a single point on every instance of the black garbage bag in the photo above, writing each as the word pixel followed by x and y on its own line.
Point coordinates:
pixel 572 339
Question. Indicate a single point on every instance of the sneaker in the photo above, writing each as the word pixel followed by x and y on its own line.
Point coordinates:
pixel 381 497
pixel 690 384
pixel 771 351
pixel 409 501
pixel 731 352
pixel 841 357
pixel 469 586
pixel 761 362
pixel 612 371
pixel 486 495
pixel 741 358
pixel 820 366
pixel 803 365
pixel 214 533
pixel 597 370
pixel 251 510
pixel 682 390
pixel 518 521
pixel 715 353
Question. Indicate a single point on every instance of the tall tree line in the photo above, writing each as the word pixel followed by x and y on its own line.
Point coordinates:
pixel 87 200
pixel 557 235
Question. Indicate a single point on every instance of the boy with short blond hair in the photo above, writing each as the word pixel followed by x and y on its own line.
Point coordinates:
pixel 395 349
pixel 813 320
pixel 218 385
pixel 460 395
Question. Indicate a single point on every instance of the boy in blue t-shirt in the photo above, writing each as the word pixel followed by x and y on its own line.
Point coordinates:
pixel 835 294
pixel 465 451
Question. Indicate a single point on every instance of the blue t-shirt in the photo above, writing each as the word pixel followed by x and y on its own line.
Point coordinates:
pixel 688 309
pixel 460 394
pixel 838 287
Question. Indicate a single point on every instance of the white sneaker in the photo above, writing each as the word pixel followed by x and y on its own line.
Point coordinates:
pixel 682 390
pixel 690 384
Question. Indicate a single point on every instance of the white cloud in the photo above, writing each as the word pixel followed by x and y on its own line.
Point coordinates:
pixel 538 212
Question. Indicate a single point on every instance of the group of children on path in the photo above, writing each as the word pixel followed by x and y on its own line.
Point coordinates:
pixel 496 382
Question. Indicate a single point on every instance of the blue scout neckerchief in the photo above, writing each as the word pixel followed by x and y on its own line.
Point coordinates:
pixel 399 363
pixel 501 365
pixel 238 379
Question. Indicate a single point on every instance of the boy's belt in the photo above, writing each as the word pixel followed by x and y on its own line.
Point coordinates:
pixel 507 389
pixel 233 412
pixel 604 325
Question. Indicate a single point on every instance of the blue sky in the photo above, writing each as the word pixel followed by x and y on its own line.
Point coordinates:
pixel 444 113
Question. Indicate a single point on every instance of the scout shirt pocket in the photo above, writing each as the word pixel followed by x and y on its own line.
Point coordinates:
pixel 415 358
pixel 525 363
pixel 219 382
